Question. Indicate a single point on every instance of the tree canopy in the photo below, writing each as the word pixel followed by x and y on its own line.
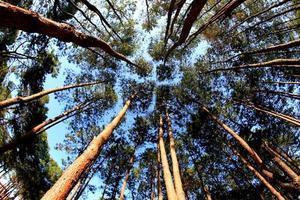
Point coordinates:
pixel 186 99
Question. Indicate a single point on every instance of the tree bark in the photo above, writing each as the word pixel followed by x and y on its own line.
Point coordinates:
pixel 207 193
pixel 281 82
pixel 18 18
pixel 122 193
pixel 240 140
pixel 71 175
pixel 37 129
pixel 287 118
pixel 175 164
pixel 17 100
pixel 276 63
pixel 159 191
pixel 257 174
pixel 165 165
pixel 197 6
pixel 280 93
pixel 285 168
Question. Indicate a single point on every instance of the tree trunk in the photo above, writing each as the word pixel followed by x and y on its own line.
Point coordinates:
pixel 17 100
pixel 159 191
pixel 122 193
pixel 207 193
pixel 240 140
pixel 175 164
pixel 37 129
pixel 276 63
pixel 71 175
pixel 165 165
pixel 281 82
pixel 285 155
pixel 280 93
pixel 287 118
pixel 287 170
pixel 18 18
pixel 257 174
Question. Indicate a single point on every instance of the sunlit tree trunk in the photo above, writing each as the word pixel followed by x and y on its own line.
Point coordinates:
pixel 175 164
pixel 71 175
pixel 159 191
pixel 165 165
pixel 17 100
pixel 122 193
pixel 15 17
pixel 257 174
pixel 207 193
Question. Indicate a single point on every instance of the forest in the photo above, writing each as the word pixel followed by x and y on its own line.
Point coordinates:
pixel 150 99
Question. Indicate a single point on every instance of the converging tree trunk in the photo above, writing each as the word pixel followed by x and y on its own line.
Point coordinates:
pixel 285 168
pixel 158 167
pixel 38 129
pixel 257 174
pixel 165 165
pixel 17 100
pixel 287 118
pixel 18 18
pixel 71 175
pixel 122 193
pixel 276 63
pixel 175 165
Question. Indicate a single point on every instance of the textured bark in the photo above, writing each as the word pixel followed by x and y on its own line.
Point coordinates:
pixel 18 18
pixel 170 11
pixel 122 193
pixel 71 175
pixel 37 129
pixel 165 165
pixel 258 175
pixel 284 117
pixel 276 63
pixel 17 100
pixel 175 164
pixel 179 7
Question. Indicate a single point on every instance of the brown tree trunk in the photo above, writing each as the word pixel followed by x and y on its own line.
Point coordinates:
pixel 17 100
pixel 285 155
pixel 222 13
pixel 122 193
pixel 71 175
pixel 240 140
pixel 277 63
pixel 281 82
pixel 257 174
pixel 18 18
pixel 280 93
pixel 196 7
pixel 207 193
pixel 159 191
pixel 285 168
pixel 37 129
pixel 287 118
pixel 165 165
pixel 278 47
pixel 175 165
